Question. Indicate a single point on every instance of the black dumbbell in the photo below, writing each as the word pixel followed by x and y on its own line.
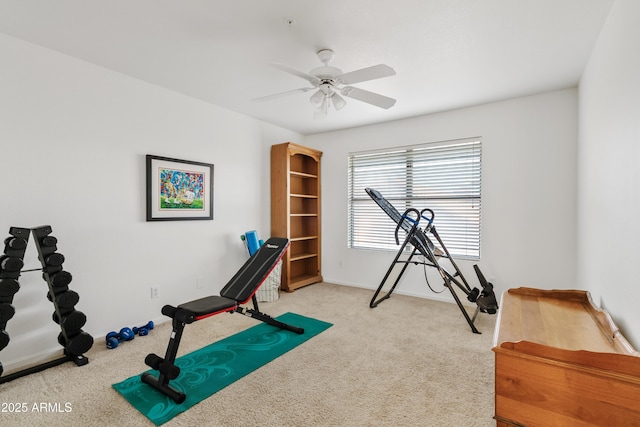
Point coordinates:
pixel 75 344
pixel 6 313
pixel 8 287
pixel 46 244
pixel 15 243
pixel 49 241
pixel 71 320
pixel 60 278
pixel 54 260
pixel 143 330
pixel 113 338
pixel 12 264
pixel 64 300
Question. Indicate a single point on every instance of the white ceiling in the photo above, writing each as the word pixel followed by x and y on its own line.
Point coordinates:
pixel 447 53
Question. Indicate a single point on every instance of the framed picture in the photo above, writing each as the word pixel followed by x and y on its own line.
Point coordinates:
pixel 178 190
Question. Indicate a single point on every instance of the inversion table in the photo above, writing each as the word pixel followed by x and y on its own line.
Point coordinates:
pixel 416 236
pixel 239 290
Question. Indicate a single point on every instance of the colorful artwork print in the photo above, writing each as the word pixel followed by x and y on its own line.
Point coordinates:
pixel 181 190
pixel 178 190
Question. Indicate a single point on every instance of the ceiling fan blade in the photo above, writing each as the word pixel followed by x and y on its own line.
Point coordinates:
pixel 281 94
pixel 364 74
pixel 314 81
pixel 368 97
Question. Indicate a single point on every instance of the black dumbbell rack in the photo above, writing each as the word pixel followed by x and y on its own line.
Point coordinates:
pixel 72 338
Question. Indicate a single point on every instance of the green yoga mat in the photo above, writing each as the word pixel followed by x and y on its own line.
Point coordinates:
pixel 212 368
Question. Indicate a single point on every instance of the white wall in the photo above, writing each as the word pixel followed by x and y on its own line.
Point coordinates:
pixel 528 192
pixel 609 171
pixel 73 143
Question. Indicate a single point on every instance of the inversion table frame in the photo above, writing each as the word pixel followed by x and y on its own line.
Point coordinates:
pixel 417 237
pixel 239 290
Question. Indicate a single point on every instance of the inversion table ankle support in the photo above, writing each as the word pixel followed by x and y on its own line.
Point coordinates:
pixel 485 299
pixel 240 289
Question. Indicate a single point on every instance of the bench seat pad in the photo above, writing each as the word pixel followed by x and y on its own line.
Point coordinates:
pixel 209 306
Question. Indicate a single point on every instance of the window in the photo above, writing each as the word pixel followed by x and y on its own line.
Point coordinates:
pixel 442 176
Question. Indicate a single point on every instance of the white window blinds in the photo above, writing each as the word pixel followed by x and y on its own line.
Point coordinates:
pixel 443 176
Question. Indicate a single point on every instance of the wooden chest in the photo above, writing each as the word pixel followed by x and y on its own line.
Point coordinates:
pixel 561 361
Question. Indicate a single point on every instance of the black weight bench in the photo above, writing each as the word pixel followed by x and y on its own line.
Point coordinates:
pixel 239 290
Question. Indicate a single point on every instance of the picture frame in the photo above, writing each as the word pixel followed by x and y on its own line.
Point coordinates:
pixel 178 190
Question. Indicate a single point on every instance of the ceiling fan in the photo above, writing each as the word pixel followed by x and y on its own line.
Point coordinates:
pixel 329 83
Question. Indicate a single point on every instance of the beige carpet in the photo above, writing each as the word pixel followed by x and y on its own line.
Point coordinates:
pixel 409 361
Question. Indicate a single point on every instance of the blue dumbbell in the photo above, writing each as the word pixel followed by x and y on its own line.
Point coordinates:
pixel 143 330
pixel 115 338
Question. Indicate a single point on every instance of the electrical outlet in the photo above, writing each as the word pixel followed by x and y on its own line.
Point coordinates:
pixel 154 293
pixel 199 283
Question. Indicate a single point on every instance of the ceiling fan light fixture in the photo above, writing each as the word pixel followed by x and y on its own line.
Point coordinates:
pixel 317 99
pixel 338 101
pixel 324 107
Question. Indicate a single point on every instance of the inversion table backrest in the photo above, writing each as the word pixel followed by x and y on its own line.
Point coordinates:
pixel 248 279
pixel 420 240
pixel 389 209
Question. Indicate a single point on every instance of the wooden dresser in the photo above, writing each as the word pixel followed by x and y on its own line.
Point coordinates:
pixel 561 361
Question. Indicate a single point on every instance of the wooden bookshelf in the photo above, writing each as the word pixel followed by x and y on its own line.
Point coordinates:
pixel 295 212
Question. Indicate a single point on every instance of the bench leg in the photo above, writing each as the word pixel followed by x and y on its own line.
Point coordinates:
pixel 168 371
pixel 249 312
